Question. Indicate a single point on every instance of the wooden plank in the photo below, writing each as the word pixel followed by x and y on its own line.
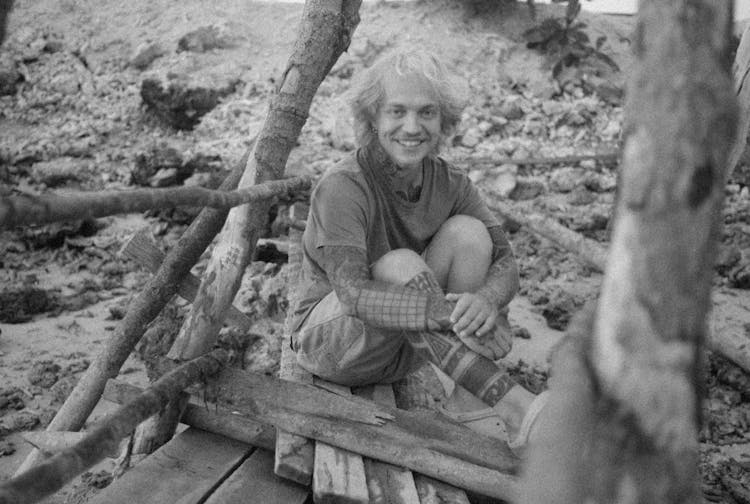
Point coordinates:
pixel 185 470
pixel 254 481
pixel 387 483
pixel 409 393
pixel 142 249
pixel 237 427
pixel 338 475
pixel 425 442
pixel 294 455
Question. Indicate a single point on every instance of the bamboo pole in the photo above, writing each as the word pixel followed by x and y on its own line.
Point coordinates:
pixel 324 33
pixel 53 473
pixel 44 208
pixel 144 308
pixel 627 389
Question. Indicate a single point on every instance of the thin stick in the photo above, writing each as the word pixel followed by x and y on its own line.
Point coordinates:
pixel 28 209
pixel 52 474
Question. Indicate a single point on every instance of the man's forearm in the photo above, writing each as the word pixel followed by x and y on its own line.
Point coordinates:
pixel 502 283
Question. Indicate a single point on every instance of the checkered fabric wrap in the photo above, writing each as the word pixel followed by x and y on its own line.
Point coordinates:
pixel 392 309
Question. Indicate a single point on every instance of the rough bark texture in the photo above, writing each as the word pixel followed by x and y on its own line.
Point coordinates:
pixel 26 209
pixel 324 33
pixel 53 473
pixel 626 414
pixel 154 296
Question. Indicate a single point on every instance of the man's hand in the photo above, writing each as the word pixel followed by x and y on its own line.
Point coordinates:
pixel 481 326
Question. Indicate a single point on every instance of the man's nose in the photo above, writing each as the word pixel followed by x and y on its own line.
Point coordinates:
pixel 411 123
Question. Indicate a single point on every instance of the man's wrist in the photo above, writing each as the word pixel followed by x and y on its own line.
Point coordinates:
pixel 439 311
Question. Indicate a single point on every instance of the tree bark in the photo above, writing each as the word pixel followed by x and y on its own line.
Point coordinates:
pixel 324 33
pixel 53 473
pixel 624 412
pixel 155 295
pixel 20 210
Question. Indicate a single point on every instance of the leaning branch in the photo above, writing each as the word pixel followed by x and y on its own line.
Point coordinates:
pixel 29 209
pixel 53 473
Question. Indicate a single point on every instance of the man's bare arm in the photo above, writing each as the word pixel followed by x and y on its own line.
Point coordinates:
pixel 379 303
pixel 502 278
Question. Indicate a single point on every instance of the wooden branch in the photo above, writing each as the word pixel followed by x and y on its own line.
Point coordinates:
pixel 237 427
pixel 425 442
pixel 590 251
pixel 28 209
pixel 741 74
pixel 294 455
pixel 339 475
pixel 605 157
pixel 324 33
pixel 144 308
pixel 637 392
pixel 50 443
pixel 158 429
pixel 142 249
pixel 105 436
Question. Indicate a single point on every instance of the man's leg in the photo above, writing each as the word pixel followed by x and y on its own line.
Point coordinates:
pixel 457 260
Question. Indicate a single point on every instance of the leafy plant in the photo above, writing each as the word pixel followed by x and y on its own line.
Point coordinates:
pixel 567 44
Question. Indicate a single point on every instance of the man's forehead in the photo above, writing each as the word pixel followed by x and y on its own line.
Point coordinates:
pixel 410 89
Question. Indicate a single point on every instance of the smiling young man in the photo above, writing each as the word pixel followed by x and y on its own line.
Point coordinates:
pixel 402 259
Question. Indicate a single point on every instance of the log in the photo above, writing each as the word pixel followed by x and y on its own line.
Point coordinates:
pixel 142 249
pixel 741 77
pixel 424 442
pixel 324 33
pixel 30 209
pixel 294 456
pixel 196 415
pixel 387 483
pixel 144 308
pixel 640 388
pixel 52 474
pixel 158 429
pixel 338 475
pixel 50 443
pixel 605 157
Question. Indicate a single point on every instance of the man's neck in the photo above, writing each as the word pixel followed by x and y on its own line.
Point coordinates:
pixel 406 182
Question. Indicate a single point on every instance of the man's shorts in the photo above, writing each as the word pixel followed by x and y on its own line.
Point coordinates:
pixel 343 349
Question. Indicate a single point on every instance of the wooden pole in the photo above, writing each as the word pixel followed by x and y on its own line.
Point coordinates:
pixel 28 209
pixel 627 391
pixel 144 308
pixel 52 474
pixel 324 33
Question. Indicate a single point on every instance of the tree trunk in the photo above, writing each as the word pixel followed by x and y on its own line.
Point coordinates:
pixel 324 33
pixel 623 419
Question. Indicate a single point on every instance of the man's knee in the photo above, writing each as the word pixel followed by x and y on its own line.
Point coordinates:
pixel 465 231
pixel 398 266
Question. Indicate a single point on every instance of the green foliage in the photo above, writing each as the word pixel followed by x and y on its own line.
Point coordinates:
pixel 567 44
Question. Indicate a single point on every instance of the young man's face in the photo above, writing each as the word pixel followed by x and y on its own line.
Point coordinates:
pixel 408 120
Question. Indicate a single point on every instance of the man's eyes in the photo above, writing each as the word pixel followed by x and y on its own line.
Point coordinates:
pixel 397 112
pixel 429 113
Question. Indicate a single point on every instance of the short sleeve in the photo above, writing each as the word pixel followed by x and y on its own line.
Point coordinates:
pixel 338 212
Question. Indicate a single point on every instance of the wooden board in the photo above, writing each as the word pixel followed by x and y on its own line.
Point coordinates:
pixel 387 483
pixel 254 481
pixel 294 455
pixel 185 470
pixel 338 475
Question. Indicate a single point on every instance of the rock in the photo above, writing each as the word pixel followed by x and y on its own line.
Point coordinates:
pixel 612 129
pixel 59 171
pixel 7 448
pixel 600 182
pixel 566 179
pixel 727 258
pixel 145 54
pixel 159 166
pixel 581 196
pixel 10 77
pixel 607 90
pixel 18 304
pixel 552 107
pixel 471 138
pixel 559 309
pixel 739 278
pixel 183 97
pixel 203 39
pixel 11 398
pixel 62 388
pixel 505 179
pixel 510 109
pixel 526 189
pixel 340 127
pixel 477 176
pixel 43 373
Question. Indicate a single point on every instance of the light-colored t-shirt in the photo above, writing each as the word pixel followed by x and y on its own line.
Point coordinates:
pixel 355 205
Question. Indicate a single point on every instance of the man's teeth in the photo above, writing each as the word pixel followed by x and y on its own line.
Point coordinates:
pixel 410 143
